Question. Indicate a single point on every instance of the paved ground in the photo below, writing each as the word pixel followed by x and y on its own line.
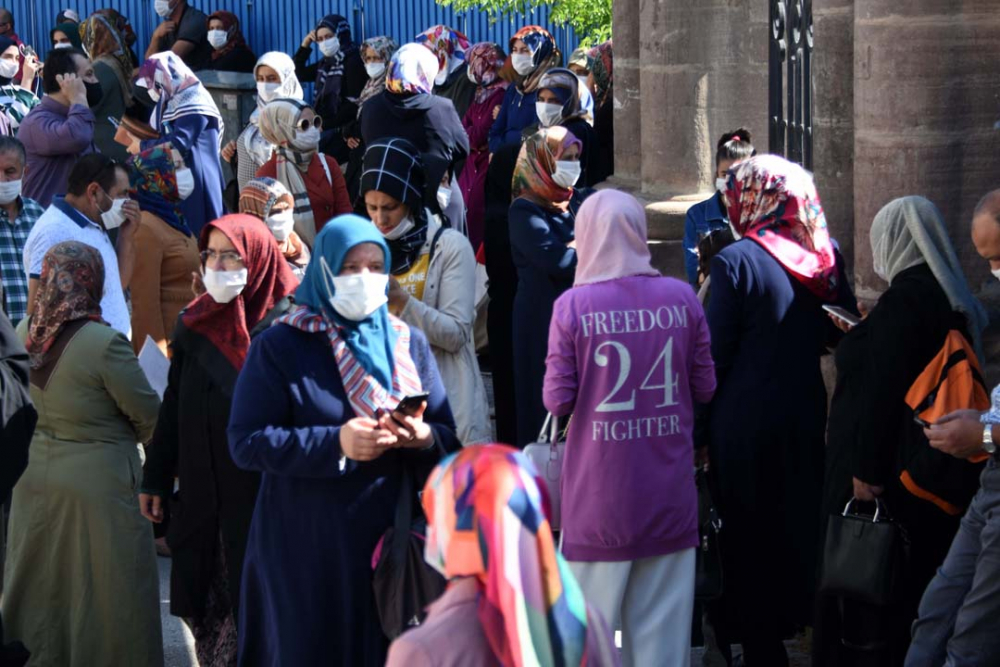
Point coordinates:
pixel 178 644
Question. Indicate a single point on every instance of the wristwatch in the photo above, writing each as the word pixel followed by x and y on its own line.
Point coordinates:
pixel 988 445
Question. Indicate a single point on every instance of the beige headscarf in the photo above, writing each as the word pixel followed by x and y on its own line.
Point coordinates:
pixel 278 122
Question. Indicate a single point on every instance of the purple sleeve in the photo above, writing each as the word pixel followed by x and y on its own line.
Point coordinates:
pixel 53 135
pixel 702 366
pixel 561 383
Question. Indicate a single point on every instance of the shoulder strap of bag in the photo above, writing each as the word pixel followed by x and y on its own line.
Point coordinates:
pixel 434 243
pixel 326 169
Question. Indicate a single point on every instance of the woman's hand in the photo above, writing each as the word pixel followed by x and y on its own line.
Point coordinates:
pixel 397 296
pixel 151 507
pixel 496 111
pixel 228 151
pixel 866 492
pixel 362 439
pixel 353 142
pixel 841 324
pixel 309 39
pixel 411 430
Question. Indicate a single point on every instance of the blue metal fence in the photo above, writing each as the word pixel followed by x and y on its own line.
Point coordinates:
pixel 280 25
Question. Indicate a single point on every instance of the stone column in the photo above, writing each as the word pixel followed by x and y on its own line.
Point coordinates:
pixel 927 76
pixel 628 163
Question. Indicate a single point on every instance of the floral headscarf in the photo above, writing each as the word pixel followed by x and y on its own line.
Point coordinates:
pixel 259 197
pixel 535 164
pixel 384 47
pixel 486 59
pixel 773 202
pixel 412 70
pixel 154 185
pixel 69 289
pixel 105 43
pixel 487 518
pixel 602 67
pixel 449 45
pixel 566 87
pixel 121 24
pixel 181 93
pixel 231 24
pixel 544 54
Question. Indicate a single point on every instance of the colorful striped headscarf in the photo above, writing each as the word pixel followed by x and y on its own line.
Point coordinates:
pixel 544 54
pixel 536 163
pixel 412 70
pixel 384 47
pixel 105 43
pixel 486 59
pixel 773 202
pixel 260 195
pixel 487 518
pixel 601 59
pixel 449 45
pixel 181 93
pixel 154 183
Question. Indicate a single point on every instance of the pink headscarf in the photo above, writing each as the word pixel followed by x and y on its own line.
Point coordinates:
pixel 611 239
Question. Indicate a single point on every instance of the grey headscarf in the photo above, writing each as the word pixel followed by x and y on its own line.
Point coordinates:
pixel 910 231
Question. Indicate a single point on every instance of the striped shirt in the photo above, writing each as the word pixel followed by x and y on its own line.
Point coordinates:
pixel 13 237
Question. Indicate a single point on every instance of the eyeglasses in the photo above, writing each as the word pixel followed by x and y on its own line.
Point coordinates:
pixel 227 257
pixel 304 124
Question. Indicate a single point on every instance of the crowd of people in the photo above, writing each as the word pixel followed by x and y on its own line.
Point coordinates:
pixel 327 317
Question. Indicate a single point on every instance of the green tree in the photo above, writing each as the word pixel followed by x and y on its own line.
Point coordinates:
pixel 590 19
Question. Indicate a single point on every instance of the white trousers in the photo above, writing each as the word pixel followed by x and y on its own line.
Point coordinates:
pixel 651 600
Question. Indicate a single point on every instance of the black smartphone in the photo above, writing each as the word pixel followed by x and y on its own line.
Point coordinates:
pixel 411 403
pixel 923 423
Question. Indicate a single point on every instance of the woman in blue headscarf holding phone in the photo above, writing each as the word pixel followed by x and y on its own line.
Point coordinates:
pixel 315 411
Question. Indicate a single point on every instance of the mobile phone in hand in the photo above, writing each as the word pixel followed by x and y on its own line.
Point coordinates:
pixel 842 314
pixel 410 404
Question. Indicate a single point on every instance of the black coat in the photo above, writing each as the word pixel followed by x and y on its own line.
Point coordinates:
pixel 339 112
pixel 240 59
pixel 215 499
pixel 603 162
pixel 458 89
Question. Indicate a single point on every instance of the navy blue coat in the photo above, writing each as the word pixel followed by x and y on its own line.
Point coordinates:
pixel 701 219
pixel 517 111
pixel 307 579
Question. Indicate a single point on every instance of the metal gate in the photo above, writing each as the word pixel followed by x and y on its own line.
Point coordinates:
pixel 789 107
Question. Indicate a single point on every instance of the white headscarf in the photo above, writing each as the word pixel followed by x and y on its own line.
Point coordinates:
pixel 290 88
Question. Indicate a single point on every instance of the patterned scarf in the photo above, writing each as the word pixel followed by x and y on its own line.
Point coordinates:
pixel 773 202
pixel 487 518
pixel 411 71
pixel 105 43
pixel 601 62
pixel 290 89
pixel 260 195
pixel 278 125
pixel 69 289
pixel 535 164
pixel 449 45
pixel 544 54
pixel 231 24
pixel 330 71
pixel 486 59
pixel 154 186
pixel 384 48
pixel 181 93
pixel 564 84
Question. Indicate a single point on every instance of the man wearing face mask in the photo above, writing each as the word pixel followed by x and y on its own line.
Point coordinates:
pixel 183 31
pixel 17 217
pixel 61 128
pixel 96 203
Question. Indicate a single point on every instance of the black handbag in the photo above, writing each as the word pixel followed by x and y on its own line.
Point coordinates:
pixel 708 580
pixel 863 556
pixel 403 582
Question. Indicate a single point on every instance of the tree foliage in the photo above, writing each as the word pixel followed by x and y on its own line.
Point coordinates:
pixel 590 19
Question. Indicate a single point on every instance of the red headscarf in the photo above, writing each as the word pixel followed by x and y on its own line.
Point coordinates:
pixel 537 162
pixel 269 280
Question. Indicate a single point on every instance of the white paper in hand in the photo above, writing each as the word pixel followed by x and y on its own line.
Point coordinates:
pixel 155 365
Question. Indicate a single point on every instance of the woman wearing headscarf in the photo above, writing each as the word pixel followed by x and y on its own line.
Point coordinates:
pixel 276 80
pixel 768 333
pixel 871 430
pixel 80 582
pixel 601 82
pixel 271 202
pixel 489 535
pixel 561 101
pixel 314 179
pixel 452 50
pixel 376 53
pixel 485 60
pixel 16 100
pixel 113 68
pixel 166 250
pixel 230 52
pixel 186 116
pixel 339 77
pixel 533 52
pixel 541 236
pixel 432 274
pixel 408 110
pixel 249 285
pixel 65 35
pixel 314 412
pixel 631 547
pixel 124 29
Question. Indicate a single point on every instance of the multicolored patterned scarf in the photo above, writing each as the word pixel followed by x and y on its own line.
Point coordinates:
pixel 487 518
pixel 773 202
pixel 105 43
pixel 449 45
pixel 535 164
pixel 260 195
pixel 384 47
pixel 181 93
pixel 154 186
pixel 412 70
pixel 601 59
pixel 544 54
pixel 486 59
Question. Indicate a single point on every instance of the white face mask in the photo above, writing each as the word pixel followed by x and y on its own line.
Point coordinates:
pixel 162 8
pixel 218 38
pixel 472 76
pixel 548 114
pixel 185 183
pixel 721 183
pixel 8 68
pixel 62 45
pixel 267 91
pixel 567 173
pixel 154 94
pixel 523 63
pixel 281 224
pixel 400 230
pixel 224 286
pixel 995 272
pixel 329 47
pixel 9 191
pixel 307 140
pixel 114 216
pixel 357 296
pixel 442 77
pixel 444 196
pixel 375 70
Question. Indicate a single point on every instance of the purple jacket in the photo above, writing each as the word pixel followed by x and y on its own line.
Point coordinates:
pixel 628 358
pixel 54 137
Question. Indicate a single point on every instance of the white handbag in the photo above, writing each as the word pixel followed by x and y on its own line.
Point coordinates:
pixel 547 455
